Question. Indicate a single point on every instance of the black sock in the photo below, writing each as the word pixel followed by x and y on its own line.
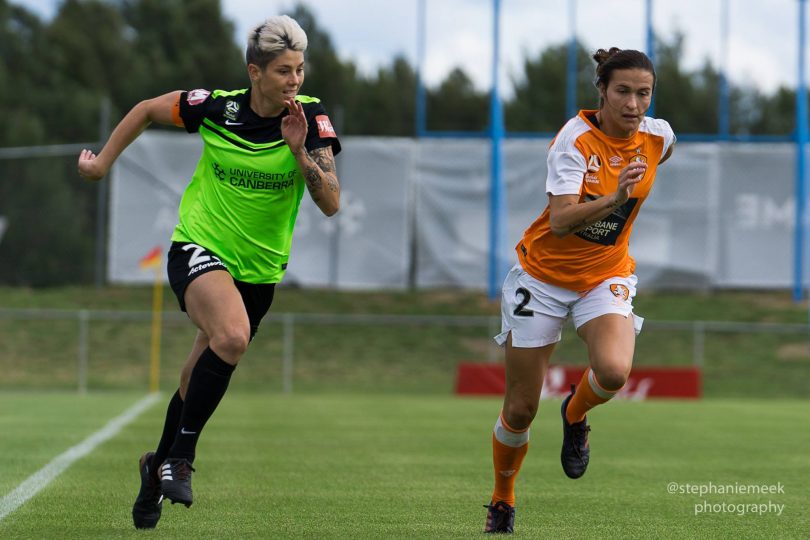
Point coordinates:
pixel 170 427
pixel 208 382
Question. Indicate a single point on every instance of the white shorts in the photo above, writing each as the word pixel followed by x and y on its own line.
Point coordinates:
pixel 535 311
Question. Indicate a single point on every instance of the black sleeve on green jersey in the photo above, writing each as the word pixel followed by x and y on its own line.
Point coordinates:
pixel 194 106
pixel 319 136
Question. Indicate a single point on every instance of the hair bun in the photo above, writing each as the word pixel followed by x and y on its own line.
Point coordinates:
pixel 601 56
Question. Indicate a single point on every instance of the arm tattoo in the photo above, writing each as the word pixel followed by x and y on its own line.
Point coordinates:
pixel 314 182
pixel 324 159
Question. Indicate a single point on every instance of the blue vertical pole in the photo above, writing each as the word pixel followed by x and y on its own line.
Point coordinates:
pixel 496 129
pixel 571 77
pixel 421 38
pixel 801 176
pixel 650 47
pixel 723 94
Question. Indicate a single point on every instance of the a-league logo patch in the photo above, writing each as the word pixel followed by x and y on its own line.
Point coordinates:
pixel 231 110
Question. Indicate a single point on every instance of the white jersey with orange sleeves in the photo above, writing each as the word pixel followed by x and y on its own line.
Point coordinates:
pixel 583 161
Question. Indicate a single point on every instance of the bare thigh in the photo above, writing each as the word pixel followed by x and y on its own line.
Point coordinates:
pixel 611 342
pixel 214 304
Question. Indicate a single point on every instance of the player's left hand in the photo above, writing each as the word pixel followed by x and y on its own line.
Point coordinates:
pixel 294 126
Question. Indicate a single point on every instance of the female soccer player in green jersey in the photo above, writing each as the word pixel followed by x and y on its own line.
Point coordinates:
pixel 262 145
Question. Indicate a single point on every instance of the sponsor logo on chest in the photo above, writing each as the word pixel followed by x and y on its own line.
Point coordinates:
pixel 254 180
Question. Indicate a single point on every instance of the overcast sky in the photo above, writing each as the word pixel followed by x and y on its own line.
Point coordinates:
pixel 762 45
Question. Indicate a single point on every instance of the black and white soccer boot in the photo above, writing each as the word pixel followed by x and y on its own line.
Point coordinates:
pixel 175 480
pixel 576 451
pixel 147 507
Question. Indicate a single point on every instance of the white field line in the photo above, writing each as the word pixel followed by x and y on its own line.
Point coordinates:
pixel 40 479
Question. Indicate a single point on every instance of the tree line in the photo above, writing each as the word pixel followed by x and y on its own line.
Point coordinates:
pixel 55 75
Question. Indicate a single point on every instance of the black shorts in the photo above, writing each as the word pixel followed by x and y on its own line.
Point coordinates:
pixel 187 262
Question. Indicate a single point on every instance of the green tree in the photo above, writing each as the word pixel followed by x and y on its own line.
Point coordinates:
pixel 21 74
pixel 182 44
pixel 689 101
pixel 385 103
pixel 767 115
pixel 455 105
pixel 49 240
pixel 539 102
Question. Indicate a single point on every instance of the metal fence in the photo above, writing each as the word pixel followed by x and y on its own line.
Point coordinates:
pixel 113 345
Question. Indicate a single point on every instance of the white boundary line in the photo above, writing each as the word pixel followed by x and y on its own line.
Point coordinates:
pixel 40 479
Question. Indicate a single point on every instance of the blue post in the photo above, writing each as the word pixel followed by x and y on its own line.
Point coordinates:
pixel 571 77
pixel 650 47
pixel 496 130
pixel 421 107
pixel 801 176
pixel 723 96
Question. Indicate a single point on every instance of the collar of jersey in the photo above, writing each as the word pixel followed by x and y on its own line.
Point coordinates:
pixel 618 142
pixel 236 139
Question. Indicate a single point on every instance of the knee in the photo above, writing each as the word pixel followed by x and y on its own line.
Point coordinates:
pixel 231 342
pixel 611 379
pixel 519 413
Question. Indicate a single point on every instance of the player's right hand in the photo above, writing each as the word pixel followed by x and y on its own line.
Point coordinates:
pixel 629 176
pixel 89 166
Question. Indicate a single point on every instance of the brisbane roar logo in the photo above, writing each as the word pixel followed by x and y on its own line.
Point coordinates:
pixel 620 291
pixel 639 158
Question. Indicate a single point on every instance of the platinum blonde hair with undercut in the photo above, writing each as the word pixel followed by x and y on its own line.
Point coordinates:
pixel 272 37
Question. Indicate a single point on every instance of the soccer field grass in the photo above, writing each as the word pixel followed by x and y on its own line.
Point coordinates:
pixel 378 466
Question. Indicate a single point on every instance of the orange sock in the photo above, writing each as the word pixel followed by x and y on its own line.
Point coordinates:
pixel 587 396
pixel 509 447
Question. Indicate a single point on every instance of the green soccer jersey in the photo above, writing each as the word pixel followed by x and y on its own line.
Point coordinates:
pixel 243 199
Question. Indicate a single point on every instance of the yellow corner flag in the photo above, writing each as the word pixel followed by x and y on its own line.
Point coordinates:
pixel 153 260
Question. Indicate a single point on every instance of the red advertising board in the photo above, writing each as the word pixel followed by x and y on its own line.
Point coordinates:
pixel 645 382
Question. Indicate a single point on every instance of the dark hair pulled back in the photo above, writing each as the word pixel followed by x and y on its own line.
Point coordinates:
pixel 607 61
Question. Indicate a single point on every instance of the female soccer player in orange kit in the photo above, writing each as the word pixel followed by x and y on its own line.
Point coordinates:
pixel 574 260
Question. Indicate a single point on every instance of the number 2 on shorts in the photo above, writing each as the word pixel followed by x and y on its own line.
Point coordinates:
pixel 196 257
pixel 520 310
